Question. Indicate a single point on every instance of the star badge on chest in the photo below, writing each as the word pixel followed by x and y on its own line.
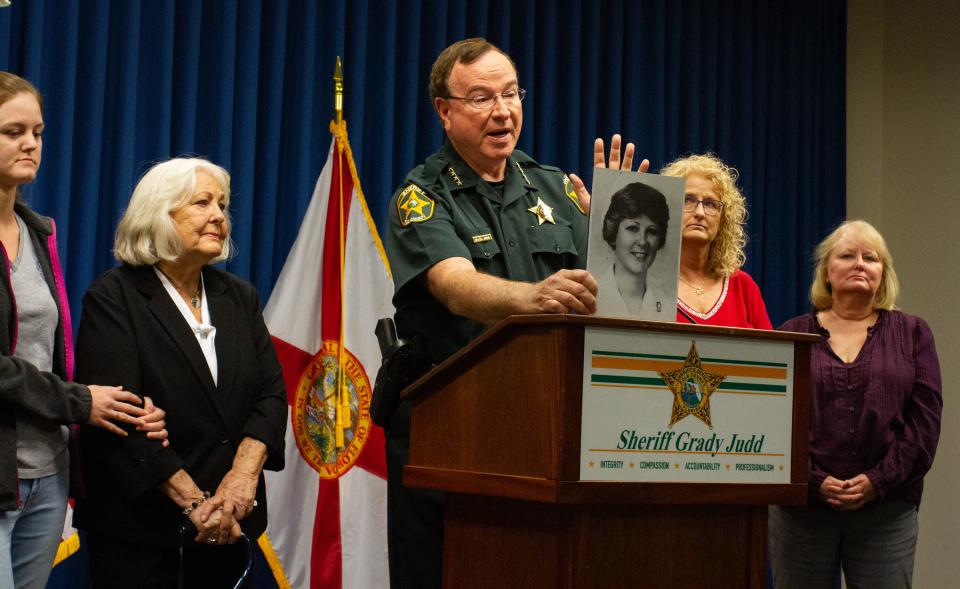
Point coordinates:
pixel 543 212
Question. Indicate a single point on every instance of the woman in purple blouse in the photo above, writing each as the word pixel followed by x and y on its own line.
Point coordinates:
pixel 875 422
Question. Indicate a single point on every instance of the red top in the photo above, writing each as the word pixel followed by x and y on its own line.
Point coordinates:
pixel 740 305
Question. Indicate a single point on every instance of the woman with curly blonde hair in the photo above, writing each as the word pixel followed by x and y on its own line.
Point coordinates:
pixel 713 290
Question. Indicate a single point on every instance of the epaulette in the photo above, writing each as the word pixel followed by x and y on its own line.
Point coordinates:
pixel 433 167
pixel 531 164
pixel 441 173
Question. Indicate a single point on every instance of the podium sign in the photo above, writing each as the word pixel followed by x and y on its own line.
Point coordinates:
pixel 685 408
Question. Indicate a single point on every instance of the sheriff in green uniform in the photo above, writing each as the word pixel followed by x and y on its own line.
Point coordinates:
pixel 524 228
pixel 477 232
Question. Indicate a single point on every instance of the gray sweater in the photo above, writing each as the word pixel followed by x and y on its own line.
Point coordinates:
pixel 24 389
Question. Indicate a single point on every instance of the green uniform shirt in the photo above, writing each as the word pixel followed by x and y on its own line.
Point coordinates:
pixel 444 209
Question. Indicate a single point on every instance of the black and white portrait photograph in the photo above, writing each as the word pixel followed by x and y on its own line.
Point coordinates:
pixel 634 244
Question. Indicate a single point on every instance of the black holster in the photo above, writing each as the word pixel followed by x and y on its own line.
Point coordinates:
pixel 404 361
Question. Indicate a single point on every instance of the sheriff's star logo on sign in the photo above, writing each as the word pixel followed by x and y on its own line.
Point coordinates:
pixel 691 386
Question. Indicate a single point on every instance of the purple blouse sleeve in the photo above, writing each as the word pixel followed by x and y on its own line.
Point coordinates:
pixel 911 454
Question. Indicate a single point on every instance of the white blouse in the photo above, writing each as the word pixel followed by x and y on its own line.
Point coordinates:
pixel 204 331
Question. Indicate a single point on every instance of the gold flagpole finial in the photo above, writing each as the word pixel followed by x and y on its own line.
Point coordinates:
pixel 338 91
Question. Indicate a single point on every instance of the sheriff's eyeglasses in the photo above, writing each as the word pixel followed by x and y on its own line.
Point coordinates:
pixel 511 97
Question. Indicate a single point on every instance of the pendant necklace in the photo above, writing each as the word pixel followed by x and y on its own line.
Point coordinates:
pixel 697 290
pixel 195 299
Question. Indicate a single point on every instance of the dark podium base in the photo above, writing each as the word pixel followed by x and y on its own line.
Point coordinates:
pixel 495 542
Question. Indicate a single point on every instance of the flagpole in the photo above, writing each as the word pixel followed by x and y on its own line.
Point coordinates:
pixel 343 396
pixel 338 92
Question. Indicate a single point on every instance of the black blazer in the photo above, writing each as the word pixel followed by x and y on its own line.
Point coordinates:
pixel 132 334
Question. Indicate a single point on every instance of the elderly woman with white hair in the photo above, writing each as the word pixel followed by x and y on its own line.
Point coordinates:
pixel 875 414
pixel 169 324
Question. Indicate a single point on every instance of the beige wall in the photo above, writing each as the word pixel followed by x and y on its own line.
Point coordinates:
pixel 903 174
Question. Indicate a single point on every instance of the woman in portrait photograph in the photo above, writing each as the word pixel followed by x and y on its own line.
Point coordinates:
pixel 635 228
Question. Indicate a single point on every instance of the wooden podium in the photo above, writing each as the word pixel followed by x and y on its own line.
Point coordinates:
pixel 498 427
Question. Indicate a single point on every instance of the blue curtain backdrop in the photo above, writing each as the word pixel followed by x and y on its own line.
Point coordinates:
pixel 248 85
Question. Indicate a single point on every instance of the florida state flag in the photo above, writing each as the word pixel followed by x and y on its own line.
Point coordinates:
pixel 328 507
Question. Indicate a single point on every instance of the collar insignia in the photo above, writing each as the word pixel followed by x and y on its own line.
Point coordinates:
pixel 414 206
pixel 522 173
pixel 543 212
pixel 691 386
pixel 453 174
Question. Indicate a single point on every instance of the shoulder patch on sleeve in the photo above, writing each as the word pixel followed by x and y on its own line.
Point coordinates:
pixel 571 193
pixel 414 206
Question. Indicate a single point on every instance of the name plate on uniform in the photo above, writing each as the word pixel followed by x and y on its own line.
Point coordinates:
pixel 687 408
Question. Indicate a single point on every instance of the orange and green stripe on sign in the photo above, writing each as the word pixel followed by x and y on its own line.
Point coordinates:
pixel 639 371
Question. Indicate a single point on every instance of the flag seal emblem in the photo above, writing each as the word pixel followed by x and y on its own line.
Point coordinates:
pixel 331 427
